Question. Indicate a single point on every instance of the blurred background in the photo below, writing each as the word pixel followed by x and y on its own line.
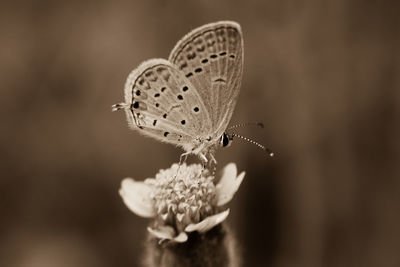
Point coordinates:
pixel 323 76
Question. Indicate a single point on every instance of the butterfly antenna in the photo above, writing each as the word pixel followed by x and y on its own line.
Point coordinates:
pixel 270 153
pixel 119 106
pixel 258 124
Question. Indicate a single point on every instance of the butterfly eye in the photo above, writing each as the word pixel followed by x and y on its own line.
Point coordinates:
pixel 224 140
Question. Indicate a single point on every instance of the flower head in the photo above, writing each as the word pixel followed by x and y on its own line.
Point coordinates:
pixel 181 199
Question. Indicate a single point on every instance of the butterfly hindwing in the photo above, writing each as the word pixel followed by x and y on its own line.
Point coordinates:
pixel 163 103
pixel 211 57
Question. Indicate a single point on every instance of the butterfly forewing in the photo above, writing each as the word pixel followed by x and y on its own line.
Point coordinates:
pixel 211 57
pixel 163 103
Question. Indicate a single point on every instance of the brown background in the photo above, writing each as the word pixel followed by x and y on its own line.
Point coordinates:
pixel 322 75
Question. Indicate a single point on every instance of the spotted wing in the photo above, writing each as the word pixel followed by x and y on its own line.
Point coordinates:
pixel 162 103
pixel 211 57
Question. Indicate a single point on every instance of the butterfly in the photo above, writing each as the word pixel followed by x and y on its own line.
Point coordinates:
pixel 188 100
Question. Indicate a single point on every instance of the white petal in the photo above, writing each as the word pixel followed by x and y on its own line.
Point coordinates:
pixel 167 233
pixel 229 184
pixel 182 237
pixel 136 196
pixel 208 222
pixel 162 232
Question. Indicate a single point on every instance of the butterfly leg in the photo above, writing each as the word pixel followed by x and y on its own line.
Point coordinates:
pixel 203 158
pixel 183 158
pixel 205 162
pixel 213 160
pixel 213 164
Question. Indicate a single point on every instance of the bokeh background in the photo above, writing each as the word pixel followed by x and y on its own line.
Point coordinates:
pixel 323 76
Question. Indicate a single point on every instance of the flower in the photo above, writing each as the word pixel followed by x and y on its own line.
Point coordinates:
pixel 181 199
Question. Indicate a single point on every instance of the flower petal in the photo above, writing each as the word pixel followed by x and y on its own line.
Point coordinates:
pixel 167 233
pixel 208 222
pixel 229 184
pixel 182 237
pixel 136 196
pixel 162 232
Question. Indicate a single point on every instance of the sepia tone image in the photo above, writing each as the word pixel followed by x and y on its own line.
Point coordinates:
pixel 200 133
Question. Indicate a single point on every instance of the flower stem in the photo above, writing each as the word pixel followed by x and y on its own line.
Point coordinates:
pixel 215 248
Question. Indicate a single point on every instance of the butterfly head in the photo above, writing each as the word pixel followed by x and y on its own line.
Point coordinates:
pixel 226 138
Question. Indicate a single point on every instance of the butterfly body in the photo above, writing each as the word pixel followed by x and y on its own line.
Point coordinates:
pixel 188 100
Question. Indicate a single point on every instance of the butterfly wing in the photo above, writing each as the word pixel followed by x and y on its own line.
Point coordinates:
pixel 162 103
pixel 211 57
